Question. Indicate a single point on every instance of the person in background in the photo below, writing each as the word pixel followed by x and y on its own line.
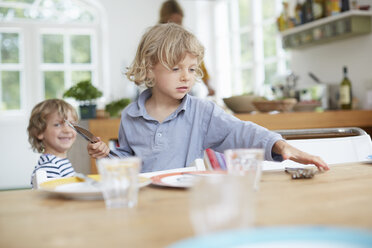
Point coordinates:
pixel 49 135
pixel 171 11
pixel 168 128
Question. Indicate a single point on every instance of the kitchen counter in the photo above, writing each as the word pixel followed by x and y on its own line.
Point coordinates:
pixel 304 120
pixel 108 129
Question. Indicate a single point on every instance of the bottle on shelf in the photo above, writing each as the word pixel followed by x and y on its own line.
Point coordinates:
pixel 298 14
pixel 319 9
pixel 308 11
pixel 335 7
pixel 346 98
pixel 345 6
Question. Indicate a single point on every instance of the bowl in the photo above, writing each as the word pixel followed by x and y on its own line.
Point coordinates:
pixel 240 104
pixel 304 106
pixel 285 105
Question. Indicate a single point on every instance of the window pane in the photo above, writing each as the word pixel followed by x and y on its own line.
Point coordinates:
pixel 270 72
pixel 268 9
pixel 269 40
pixel 246 48
pixel 54 84
pixel 247 81
pixel 78 76
pixel 52 48
pixel 11 97
pixel 19 1
pixel 245 12
pixel 53 10
pixel 9 48
pixel 80 49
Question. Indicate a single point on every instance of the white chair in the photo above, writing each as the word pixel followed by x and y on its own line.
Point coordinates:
pixel 333 145
pixel 40 177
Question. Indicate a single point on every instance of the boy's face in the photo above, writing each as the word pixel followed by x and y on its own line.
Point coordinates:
pixel 58 137
pixel 175 83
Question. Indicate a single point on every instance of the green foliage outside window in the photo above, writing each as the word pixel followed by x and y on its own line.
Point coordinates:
pixel 9 48
pixel 80 49
pixel 54 84
pixel 53 48
pixel 11 99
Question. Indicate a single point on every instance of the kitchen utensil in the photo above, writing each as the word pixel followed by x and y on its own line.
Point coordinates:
pixel 315 78
pixel 86 134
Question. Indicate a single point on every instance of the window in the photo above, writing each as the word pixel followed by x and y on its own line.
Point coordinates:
pixel 59 41
pixel 66 60
pixel 256 54
pixel 11 70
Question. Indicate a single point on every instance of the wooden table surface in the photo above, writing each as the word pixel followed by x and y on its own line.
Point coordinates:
pixel 339 197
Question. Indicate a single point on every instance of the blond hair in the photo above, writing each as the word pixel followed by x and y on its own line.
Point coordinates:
pixel 38 119
pixel 168 8
pixel 167 44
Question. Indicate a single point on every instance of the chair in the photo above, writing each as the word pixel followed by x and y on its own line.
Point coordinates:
pixel 39 178
pixel 333 145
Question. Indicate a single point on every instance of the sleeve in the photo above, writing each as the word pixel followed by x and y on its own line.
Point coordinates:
pixel 228 132
pixel 124 149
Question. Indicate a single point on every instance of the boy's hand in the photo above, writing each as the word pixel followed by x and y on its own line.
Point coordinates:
pixel 289 152
pixel 98 149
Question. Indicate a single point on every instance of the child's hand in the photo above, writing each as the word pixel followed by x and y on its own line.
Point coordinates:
pixel 98 149
pixel 289 152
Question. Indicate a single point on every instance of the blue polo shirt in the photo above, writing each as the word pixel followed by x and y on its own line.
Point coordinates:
pixel 197 124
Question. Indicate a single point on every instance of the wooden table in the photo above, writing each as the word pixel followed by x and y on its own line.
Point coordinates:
pixel 339 197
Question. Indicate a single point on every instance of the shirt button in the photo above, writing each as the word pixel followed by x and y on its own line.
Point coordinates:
pixel 159 134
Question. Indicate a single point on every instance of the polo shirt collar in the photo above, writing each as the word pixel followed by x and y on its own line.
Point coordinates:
pixel 140 110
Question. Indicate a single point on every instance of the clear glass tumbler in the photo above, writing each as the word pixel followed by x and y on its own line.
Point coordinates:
pixel 119 181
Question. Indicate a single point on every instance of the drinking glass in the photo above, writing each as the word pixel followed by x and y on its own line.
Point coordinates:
pixel 221 202
pixel 119 181
pixel 245 162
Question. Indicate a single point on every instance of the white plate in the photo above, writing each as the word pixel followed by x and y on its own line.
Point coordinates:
pixel 72 187
pixel 181 179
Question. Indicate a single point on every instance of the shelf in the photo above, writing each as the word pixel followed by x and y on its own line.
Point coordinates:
pixel 341 26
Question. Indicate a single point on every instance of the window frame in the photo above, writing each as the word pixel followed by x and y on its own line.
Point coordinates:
pixel 21 67
pixel 255 31
pixel 67 67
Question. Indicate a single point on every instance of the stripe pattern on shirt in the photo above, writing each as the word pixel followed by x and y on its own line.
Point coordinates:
pixel 54 166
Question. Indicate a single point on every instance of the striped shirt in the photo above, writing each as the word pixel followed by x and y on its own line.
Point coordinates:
pixel 55 167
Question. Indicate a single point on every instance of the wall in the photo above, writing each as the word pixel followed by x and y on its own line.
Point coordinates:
pixel 327 60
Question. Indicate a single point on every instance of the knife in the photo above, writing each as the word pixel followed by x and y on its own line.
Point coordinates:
pixel 86 134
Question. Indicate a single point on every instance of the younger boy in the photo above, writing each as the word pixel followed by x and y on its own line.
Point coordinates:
pixel 49 135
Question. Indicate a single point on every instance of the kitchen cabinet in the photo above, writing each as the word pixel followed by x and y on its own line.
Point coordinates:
pixel 108 129
pixel 331 28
